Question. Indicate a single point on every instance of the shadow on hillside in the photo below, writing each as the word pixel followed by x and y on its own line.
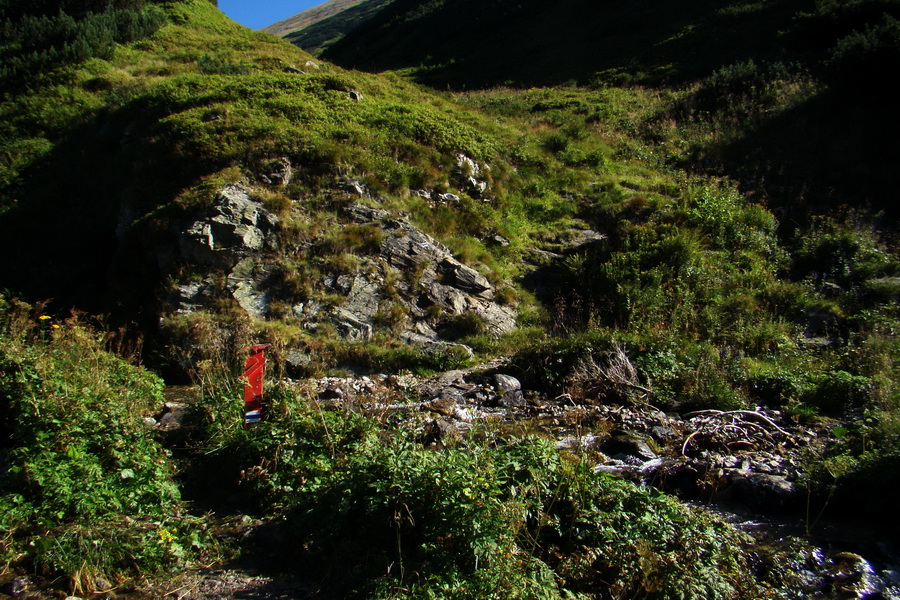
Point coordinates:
pixel 73 206
pixel 483 43
pixel 833 152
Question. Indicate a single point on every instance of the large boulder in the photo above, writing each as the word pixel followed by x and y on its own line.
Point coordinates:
pixel 234 227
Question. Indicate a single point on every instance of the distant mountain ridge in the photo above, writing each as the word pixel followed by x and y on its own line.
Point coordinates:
pixel 319 27
pixel 310 17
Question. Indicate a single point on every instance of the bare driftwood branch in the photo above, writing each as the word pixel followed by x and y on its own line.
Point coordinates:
pixel 745 413
pixel 613 371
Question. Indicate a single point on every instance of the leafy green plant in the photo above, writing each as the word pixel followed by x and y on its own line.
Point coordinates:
pixel 510 520
pixel 89 490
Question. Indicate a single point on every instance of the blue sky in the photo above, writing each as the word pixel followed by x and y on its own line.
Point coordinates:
pixel 257 14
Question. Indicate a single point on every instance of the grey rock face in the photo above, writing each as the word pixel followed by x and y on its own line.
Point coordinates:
pixel 460 276
pixel 232 229
pixel 246 286
pixel 413 284
pixel 278 172
pixel 232 235
pixel 507 383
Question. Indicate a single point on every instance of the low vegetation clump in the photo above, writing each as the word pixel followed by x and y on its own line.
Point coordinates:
pixel 510 518
pixel 87 490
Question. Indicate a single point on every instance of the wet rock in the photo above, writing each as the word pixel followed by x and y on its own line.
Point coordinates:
pixel 513 399
pixel 852 577
pixel 680 479
pixel 627 459
pixel 438 433
pixel 628 445
pixel 662 433
pixel 765 491
pixel 17 585
pixel 442 406
pixel 579 441
pixel 507 383
pixel 172 416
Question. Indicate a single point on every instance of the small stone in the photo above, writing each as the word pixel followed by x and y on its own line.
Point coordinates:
pixel 102 584
pixel 513 399
pixel 16 586
pixel 662 433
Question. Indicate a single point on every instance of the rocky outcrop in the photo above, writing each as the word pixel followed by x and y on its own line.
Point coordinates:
pixel 429 284
pixel 470 176
pixel 409 283
pixel 233 236
pixel 234 228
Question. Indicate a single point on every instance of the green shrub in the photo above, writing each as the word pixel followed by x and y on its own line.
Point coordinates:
pixel 36 39
pixel 733 87
pixel 89 490
pixel 840 391
pixel 510 520
pixel 214 65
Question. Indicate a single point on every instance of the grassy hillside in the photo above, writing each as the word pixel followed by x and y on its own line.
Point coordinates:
pixel 717 301
pixel 781 96
pixel 467 44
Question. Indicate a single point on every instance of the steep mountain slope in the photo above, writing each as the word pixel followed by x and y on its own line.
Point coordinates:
pixel 310 17
pixel 822 112
pixel 469 44
pixel 319 27
pixel 150 135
